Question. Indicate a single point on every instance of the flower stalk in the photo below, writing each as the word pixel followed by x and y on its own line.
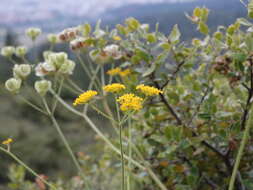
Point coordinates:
pixel 240 151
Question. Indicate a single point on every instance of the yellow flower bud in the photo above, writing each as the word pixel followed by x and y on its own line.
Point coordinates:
pixel 7 141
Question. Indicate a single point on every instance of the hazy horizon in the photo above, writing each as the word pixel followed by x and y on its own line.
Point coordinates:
pixel 33 10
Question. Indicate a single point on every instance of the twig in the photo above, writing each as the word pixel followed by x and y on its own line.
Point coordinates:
pixel 198 107
pixel 173 74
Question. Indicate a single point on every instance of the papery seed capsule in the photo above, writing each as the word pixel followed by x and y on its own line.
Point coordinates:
pixel 78 44
pixel 42 86
pixel 57 58
pixel 33 33
pixel 22 71
pixel 145 27
pixel 62 37
pixel 113 51
pixel 13 85
pixel 71 34
pixel 67 67
pixel 68 34
pixel 52 38
pixel 7 51
pixel 21 51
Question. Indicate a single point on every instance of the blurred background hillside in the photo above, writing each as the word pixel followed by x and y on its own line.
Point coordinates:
pixel 53 16
pixel 28 127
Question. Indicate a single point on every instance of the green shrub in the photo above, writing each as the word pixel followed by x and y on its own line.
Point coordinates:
pixel 179 111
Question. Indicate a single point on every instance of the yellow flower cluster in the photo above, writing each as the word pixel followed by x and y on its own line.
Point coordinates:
pixel 7 141
pixel 130 102
pixel 118 71
pixel 114 71
pixel 148 90
pixel 114 88
pixel 85 97
pixel 125 72
pixel 116 38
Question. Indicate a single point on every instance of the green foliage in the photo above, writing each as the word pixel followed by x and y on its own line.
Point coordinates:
pixel 185 135
pixel 17 178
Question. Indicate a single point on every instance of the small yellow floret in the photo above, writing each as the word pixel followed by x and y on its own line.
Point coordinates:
pixel 116 38
pixel 148 90
pixel 125 72
pixel 115 71
pixel 7 141
pixel 85 97
pixel 130 102
pixel 114 88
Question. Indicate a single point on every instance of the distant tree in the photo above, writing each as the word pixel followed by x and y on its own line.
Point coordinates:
pixel 11 38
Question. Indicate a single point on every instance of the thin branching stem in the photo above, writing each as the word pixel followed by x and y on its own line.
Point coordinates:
pixel 103 114
pixel 94 127
pixel 129 153
pixel 74 85
pixel 29 103
pixel 240 152
pixel 108 142
pixel 28 168
pixel 65 142
pixel 122 158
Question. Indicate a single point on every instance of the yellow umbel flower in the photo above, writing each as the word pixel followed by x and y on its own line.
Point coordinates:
pixel 115 71
pixel 130 102
pixel 116 38
pixel 148 90
pixel 114 88
pixel 125 72
pixel 7 141
pixel 85 97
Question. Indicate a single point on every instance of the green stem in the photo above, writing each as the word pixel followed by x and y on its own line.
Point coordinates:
pixel 27 168
pixel 65 142
pixel 108 142
pixel 103 114
pixel 102 76
pixel 92 83
pixel 46 105
pixel 33 105
pixel 121 147
pixel 73 84
pixel 74 91
pixel 25 60
pixel 89 62
pixel 93 126
pixel 129 154
pixel 63 138
pixel 59 92
pixel 122 158
pixel 93 79
pixel 110 77
pixel 240 152
pixel 109 113
pixel 117 109
pixel 85 68
pixel 13 61
pixel 51 48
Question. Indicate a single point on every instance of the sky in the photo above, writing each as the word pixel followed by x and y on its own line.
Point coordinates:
pixel 12 11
